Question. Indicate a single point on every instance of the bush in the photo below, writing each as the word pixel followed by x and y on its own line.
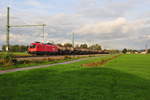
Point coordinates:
pixel 7 59
pixel 124 51
pixel 67 57
pixel 148 51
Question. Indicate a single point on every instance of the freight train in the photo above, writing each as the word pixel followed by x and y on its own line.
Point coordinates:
pixel 38 48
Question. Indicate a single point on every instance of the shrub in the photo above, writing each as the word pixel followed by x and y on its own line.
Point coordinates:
pixel 124 51
pixel 7 59
pixel 67 57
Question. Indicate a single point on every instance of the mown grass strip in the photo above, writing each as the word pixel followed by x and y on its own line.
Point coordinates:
pixel 101 62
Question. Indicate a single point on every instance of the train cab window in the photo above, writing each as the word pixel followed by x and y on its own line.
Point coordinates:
pixel 32 46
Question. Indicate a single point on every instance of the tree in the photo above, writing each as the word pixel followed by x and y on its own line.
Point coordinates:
pixel 148 51
pixel 60 45
pixel 84 46
pixel 77 46
pixel 67 45
pixel 132 51
pixel 114 51
pixel 16 48
pixel 124 51
pixel 95 47
pixel 4 48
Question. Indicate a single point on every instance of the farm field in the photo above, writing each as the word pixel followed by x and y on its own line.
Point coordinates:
pixel 126 77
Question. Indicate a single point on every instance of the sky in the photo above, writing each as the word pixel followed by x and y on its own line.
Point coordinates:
pixel 114 24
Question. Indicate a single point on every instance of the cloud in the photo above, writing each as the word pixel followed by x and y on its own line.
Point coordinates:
pixel 34 3
pixel 109 9
pixel 118 32
pixel 103 27
pixel 107 22
pixel 111 34
pixel 113 29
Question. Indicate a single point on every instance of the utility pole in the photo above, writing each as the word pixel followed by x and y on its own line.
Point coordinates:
pixel 146 47
pixel 8 30
pixel 73 39
pixel 43 32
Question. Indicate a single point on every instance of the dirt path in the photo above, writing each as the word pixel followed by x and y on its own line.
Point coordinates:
pixel 41 66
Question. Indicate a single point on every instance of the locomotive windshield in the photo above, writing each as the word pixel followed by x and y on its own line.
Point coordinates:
pixel 32 46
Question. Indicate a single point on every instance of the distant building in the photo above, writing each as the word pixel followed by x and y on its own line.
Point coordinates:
pixel 129 53
pixel 136 52
pixel 144 52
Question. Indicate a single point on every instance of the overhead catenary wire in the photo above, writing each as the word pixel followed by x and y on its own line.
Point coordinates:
pixel 73 40
pixel 27 25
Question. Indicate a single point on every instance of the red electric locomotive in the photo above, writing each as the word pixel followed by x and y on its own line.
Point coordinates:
pixel 41 48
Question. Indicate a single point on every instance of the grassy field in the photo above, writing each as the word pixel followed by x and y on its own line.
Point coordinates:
pixel 124 78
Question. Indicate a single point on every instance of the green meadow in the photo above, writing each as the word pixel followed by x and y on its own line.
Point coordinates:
pixel 124 78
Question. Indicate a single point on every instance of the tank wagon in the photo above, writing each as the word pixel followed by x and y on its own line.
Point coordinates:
pixel 52 49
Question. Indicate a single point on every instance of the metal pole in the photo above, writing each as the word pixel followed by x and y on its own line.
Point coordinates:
pixel 27 25
pixel 146 47
pixel 8 30
pixel 43 33
pixel 73 40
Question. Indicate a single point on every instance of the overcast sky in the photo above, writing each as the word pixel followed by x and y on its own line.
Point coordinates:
pixel 115 24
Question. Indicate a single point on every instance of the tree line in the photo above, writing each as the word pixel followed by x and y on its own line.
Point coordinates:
pixel 83 46
pixel 15 48
pixel 133 51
